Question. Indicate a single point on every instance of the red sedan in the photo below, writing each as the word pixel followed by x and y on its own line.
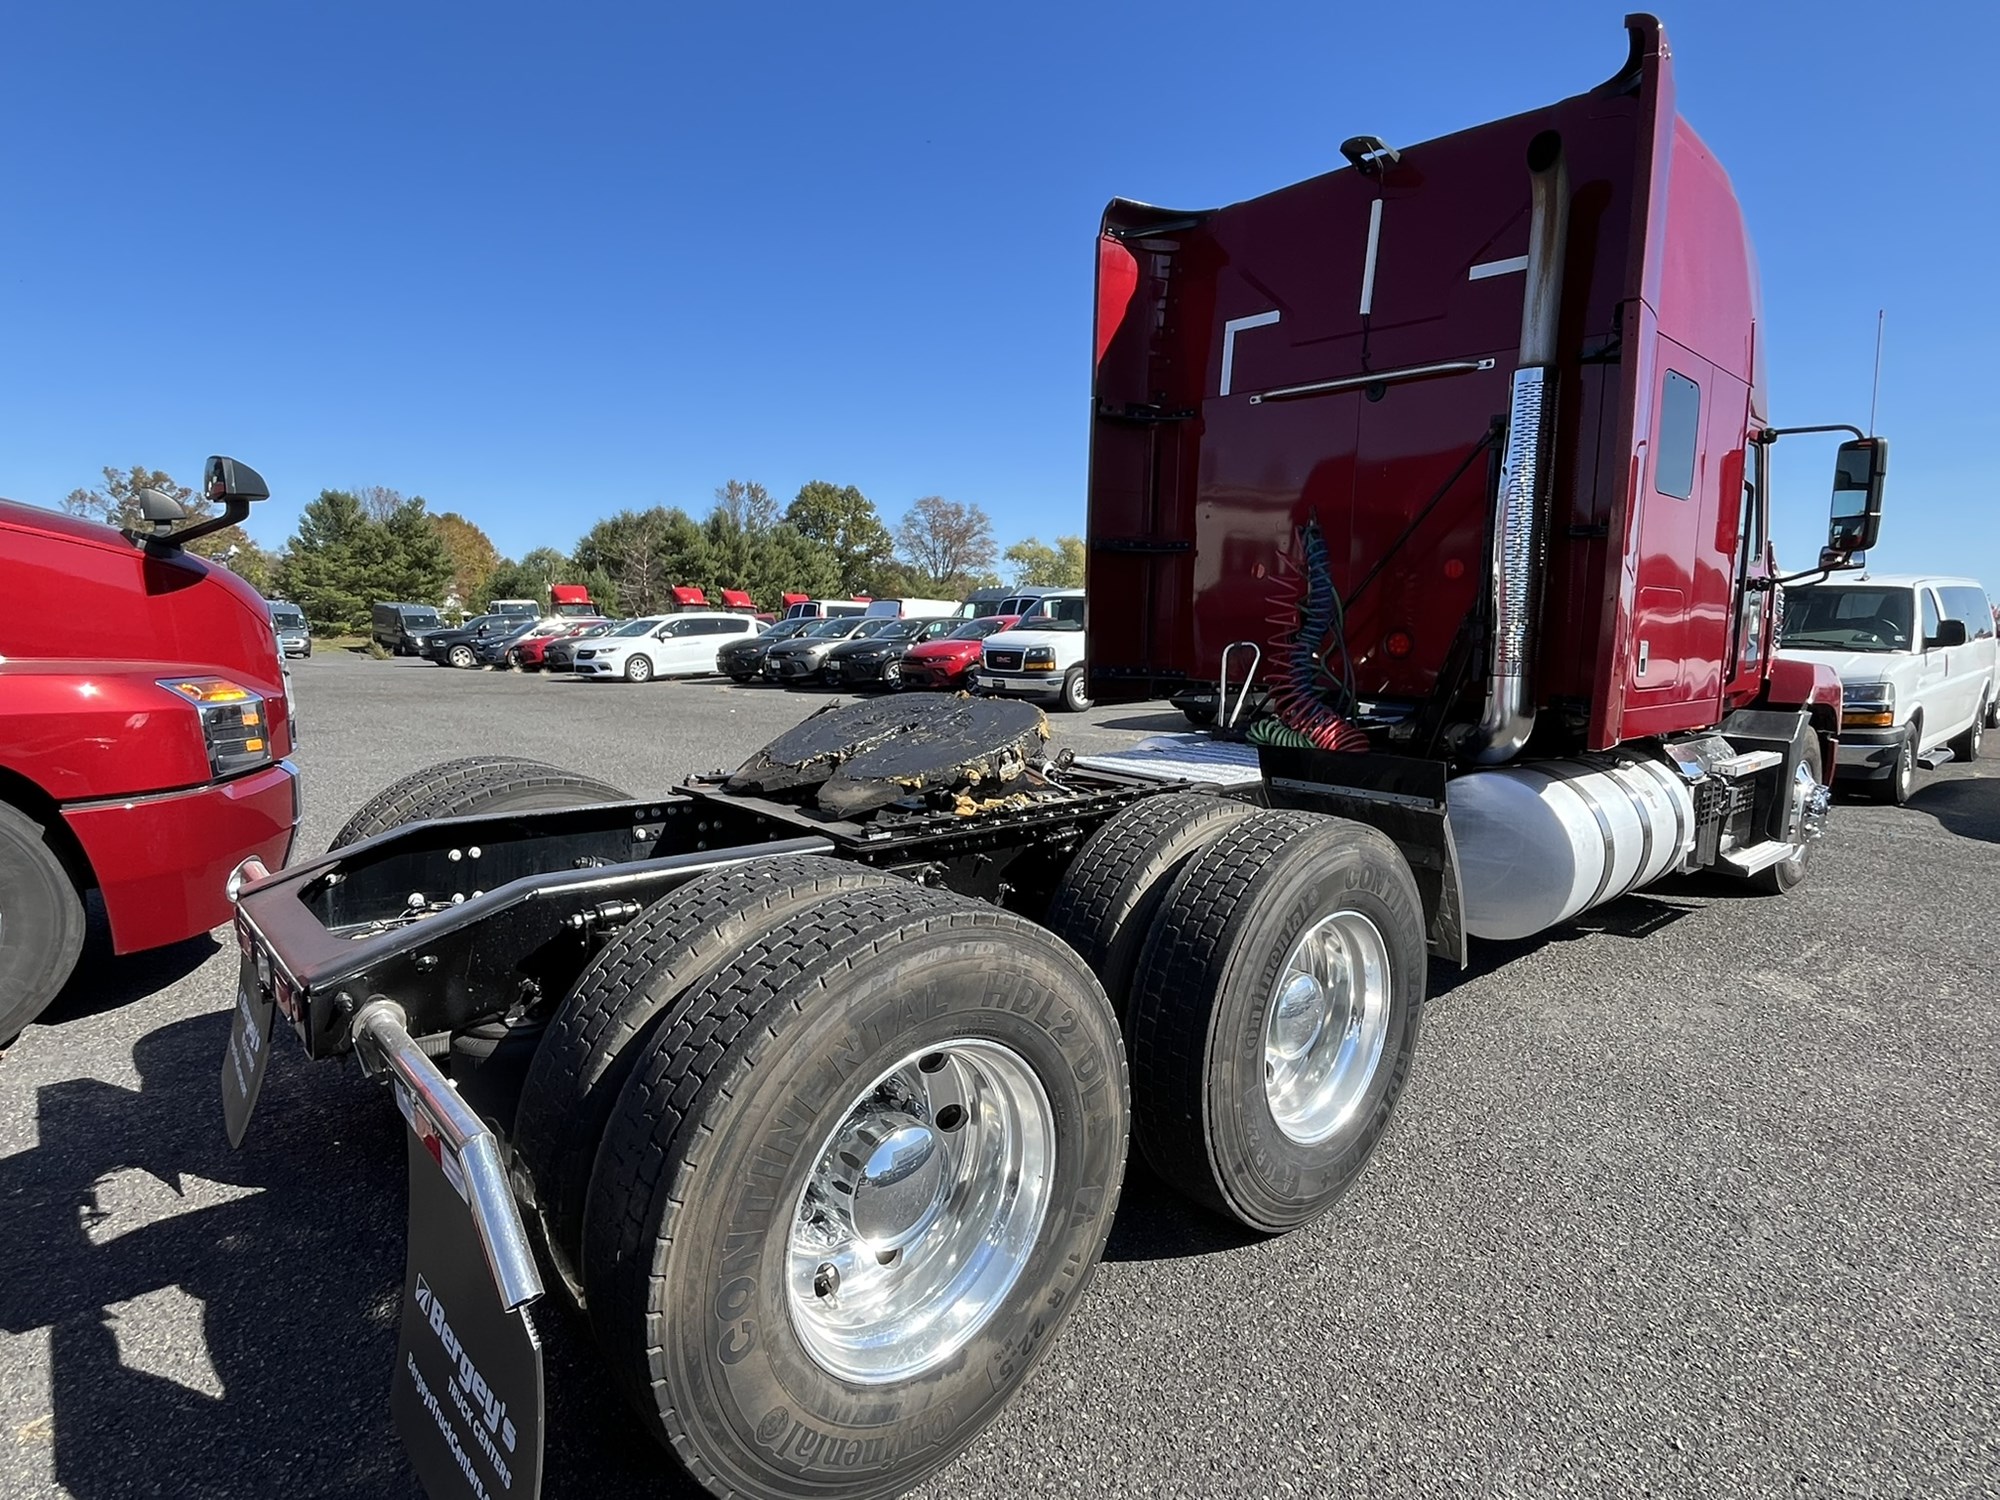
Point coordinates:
pixel 528 654
pixel 944 663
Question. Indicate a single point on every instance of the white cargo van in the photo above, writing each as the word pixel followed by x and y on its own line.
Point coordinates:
pixel 913 609
pixel 1919 670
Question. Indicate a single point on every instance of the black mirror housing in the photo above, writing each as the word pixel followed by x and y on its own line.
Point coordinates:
pixel 229 479
pixel 1949 633
pixel 1859 473
pixel 160 508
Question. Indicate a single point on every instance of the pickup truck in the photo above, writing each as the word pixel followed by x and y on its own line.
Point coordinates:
pixel 143 758
pixel 1042 656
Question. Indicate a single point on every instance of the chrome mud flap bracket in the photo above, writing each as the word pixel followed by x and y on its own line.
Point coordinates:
pixel 467 1391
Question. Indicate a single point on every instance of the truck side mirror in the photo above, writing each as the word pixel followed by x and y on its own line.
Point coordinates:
pixel 1856 513
pixel 1949 633
pixel 229 479
pixel 160 508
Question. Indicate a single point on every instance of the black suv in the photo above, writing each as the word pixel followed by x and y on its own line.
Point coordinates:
pixel 459 648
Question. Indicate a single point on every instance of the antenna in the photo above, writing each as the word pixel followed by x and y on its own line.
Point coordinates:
pixel 1876 391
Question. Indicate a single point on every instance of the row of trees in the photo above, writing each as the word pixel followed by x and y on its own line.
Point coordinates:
pixel 357 546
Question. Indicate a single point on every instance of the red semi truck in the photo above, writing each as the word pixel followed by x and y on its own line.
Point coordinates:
pixel 1489 414
pixel 145 766
pixel 812 1083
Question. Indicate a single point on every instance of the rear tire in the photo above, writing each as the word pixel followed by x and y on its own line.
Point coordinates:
pixel 1274 1019
pixel 1075 691
pixel 638 667
pixel 479 784
pixel 1966 746
pixel 635 984
pixel 41 922
pixel 716 1231
pixel 1112 890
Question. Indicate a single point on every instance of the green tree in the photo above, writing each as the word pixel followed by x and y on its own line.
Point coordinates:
pixel 527 579
pixel 1060 566
pixel 945 542
pixel 784 562
pixel 328 563
pixel 414 564
pixel 843 520
pixel 748 504
pixel 473 555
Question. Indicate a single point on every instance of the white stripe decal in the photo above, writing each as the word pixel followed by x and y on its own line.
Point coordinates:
pixel 1368 268
pixel 1497 268
pixel 1229 331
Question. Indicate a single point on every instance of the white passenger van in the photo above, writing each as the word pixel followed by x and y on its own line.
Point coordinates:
pixel 1919 670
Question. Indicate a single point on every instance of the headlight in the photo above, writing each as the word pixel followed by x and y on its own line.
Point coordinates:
pixel 1868 705
pixel 232 721
pixel 1042 658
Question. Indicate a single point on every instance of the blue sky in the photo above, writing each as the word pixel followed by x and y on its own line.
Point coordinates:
pixel 541 264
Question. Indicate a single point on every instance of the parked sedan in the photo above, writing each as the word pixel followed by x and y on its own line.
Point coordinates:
pixel 531 651
pixel 798 660
pixel 947 662
pixel 559 654
pixel 505 650
pixel 744 659
pixel 878 658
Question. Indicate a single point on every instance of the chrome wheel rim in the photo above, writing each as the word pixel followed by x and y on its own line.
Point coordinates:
pixel 1325 1026
pixel 922 1209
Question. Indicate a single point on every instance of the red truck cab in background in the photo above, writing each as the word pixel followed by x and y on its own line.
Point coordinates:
pixel 142 746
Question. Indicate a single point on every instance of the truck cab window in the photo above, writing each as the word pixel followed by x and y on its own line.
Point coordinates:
pixel 1680 428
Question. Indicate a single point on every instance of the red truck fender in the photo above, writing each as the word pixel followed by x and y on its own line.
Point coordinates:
pixel 1814 688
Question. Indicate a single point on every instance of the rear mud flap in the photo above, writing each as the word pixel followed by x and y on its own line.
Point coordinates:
pixel 467 1391
pixel 1401 796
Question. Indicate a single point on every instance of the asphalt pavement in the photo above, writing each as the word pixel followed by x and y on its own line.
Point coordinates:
pixel 1695 1196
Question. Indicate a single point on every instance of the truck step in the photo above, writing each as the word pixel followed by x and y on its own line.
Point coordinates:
pixel 1930 760
pixel 1746 763
pixel 1749 861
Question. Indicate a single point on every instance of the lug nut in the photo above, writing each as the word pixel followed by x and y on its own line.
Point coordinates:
pixel 826 1280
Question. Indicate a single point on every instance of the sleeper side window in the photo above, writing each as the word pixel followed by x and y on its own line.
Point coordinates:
pixel 1680 431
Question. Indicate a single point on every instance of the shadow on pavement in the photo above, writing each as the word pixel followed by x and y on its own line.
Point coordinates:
pixel 1635 916
pixel 1968 806
pixel 105 980
pixel 1157 723
pixel 1156 1223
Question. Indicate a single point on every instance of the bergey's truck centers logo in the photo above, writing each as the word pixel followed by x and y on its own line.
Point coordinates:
pixel 478 1402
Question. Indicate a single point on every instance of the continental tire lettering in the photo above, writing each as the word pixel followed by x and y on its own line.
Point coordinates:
pixel 739 1333
pixel 808 1448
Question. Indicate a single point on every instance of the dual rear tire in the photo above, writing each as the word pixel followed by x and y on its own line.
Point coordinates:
pixel 1270 971
pixel 829 1158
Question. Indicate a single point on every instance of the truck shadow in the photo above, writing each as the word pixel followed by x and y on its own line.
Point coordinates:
pixel 105 980
pixel 1635 916
pixel 1968 806
pixel 200 1306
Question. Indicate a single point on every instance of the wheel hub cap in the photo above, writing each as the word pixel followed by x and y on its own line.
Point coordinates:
pixel 899 1179
pixel 921 1211
pixel 1326 1026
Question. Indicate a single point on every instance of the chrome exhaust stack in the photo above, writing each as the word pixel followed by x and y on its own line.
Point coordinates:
pixel 1520 521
